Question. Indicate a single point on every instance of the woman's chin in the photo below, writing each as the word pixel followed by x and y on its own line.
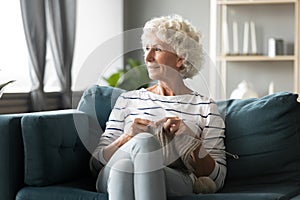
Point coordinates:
pixel 152 76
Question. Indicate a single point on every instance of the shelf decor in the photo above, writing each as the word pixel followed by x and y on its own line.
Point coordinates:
pixel 253 38
pixel 269 50
pixel 246 39
pixel 235 38
pixel 275 47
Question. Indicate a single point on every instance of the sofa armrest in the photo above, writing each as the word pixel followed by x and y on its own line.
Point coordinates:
pixel 11 156
pixel 12 144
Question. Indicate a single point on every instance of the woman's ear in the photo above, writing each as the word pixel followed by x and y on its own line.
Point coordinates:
pixel 179 62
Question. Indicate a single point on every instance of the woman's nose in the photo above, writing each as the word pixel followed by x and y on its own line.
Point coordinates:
pixel 149 55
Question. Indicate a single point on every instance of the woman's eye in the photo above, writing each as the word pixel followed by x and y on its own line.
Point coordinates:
pixel 154 48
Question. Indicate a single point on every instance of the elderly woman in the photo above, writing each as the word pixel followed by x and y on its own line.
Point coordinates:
pixel 160 140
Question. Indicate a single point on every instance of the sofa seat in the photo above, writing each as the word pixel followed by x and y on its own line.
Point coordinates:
pixel 282 191
pixel 58 193
pixel 296 198
pixel 84 189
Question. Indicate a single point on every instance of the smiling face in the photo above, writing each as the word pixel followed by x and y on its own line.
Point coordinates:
pixel 162 63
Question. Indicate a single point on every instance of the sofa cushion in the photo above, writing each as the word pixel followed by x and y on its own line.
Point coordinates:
pixel 265 134
pixel 58 193
pixel 296 198
pixel 284 190
pixel 98 101
pixel 233 196
pixel 61 192
pixel 53 149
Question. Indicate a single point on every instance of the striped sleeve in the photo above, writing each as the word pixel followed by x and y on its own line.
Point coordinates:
pixel 114 128
pixel 213 140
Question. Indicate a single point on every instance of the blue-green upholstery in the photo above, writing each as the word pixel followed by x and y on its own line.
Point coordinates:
pixel 265 133
pixel 296 198
pixel 53 149
pixel 98 101
pixel 11 156
pixel 58 192
pixel 45 155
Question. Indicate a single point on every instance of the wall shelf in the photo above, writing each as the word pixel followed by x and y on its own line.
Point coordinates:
pixel 253 2
pixel 256 58
pixel 272 19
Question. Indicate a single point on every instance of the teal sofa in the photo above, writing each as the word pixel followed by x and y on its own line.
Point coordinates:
pixel 45 155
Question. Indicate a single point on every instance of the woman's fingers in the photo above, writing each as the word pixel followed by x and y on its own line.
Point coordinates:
pixel 174 127
pixel 163 120
pixel 137 128
pixel 172 124
pixel 141 125
pixel 142 121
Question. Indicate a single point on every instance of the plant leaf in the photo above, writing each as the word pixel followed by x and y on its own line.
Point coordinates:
pixel 113 79
pixel 134 79
pixel 133 63
pixel 5 84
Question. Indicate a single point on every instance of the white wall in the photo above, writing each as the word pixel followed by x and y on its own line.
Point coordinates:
pixel 98 21
pixel 137 12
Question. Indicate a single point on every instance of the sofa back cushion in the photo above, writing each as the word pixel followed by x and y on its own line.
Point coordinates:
pixel 265 134
pixel 53 149
pixel 98 101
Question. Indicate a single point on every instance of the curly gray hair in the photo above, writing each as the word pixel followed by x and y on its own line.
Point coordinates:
pixel 182 36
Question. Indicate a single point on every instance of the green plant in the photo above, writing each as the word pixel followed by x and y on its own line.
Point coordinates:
pixel 2 86
pixel 133 76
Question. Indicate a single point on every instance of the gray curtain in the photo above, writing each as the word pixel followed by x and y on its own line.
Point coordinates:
pixel 34 20
pixel 57 19
pixel 61 22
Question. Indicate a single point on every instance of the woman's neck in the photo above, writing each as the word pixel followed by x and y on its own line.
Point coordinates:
pixel 165 89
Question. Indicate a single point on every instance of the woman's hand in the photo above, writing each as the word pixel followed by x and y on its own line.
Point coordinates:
pixel 175 126
pixel 201 161
pixel 172 124
pixel 140 126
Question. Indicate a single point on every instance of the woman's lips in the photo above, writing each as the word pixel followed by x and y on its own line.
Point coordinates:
pixel 153 66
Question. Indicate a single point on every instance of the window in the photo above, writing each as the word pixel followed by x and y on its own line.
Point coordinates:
pixel 13 49
pixel 14 62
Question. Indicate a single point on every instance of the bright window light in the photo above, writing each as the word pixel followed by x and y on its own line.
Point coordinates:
pixel 13 49
pixel 14 63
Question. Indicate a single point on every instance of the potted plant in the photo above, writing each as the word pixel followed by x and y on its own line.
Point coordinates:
pixel 133 76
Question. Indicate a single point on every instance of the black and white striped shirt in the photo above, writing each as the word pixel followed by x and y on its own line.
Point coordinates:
pixel 198 112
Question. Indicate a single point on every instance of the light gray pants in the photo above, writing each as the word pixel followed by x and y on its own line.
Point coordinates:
pixel 136 172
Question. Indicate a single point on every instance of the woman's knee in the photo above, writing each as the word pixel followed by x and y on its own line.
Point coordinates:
pixel 123 165
pixel 146 142
pixel 120 181
pixel 119 171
